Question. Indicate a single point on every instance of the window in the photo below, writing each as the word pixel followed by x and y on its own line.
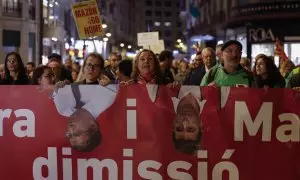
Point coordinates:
pixel 167 4
pixel 148 13
pixel 31 10
pixel 12 6
pixel 158 3
pixel 148 3
pixel 179 24
pixel 168 24
pixel 158 13
pixel 168 33
pixel 168 43
pixel 168 14
pixel 156 23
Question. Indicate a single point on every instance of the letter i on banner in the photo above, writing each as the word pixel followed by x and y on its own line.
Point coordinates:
pixel 131 120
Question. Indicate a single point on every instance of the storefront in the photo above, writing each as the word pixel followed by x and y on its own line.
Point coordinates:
pixel 261 39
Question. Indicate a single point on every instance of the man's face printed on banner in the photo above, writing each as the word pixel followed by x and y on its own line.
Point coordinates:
pixel 187 128
pixel 83 131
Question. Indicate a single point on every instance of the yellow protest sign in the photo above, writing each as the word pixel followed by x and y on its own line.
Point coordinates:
pixel 87 18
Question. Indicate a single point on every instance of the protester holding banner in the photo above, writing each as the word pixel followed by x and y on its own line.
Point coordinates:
pixel 232 73
pixel 266 74
pixel 43 76
pixel 93 70
pixel 146 69
pixel 15 73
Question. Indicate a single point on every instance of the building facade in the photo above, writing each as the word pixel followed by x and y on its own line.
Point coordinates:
pixel 20 29
pixel 161 16
pixel 255 23
pixel 59 29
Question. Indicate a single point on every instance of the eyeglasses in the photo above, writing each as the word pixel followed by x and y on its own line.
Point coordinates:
pixel 69 135
pixel 92 66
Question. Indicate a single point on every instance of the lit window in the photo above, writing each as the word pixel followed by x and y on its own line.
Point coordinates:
pixel 156 23
pixel 168 24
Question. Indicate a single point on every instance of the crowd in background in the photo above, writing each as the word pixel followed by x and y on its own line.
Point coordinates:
pixel 222 66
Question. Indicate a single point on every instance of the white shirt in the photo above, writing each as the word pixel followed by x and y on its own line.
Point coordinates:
pixel 186 90
pixel 95 98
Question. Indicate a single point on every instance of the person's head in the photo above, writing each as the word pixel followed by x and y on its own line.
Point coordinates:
pixel 114 59
pixel 14 63
pixel 175 64
pixel 124 69
pixel 55 63
pixel 146 64
pixel 231 54
pixel 187 126
pixel 166 57
pixel 162 66
pixel 68 63
pixel 93 66
pixel 219 52
pixel 265 66
pixel 245 62
pixel 209 57
pixel 183 66
pixel 198 60
pixel 83 131
pixel 2 71
pixel 76 66
pixel 30 67
pixel 287 67
pixel 43 75
pixel 74 75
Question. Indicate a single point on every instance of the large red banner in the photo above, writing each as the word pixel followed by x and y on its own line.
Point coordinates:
pixel 149 132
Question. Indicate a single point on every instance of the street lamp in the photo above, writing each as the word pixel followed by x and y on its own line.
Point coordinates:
pixel 179 40
pixel 104 26
pixel 108 34
pixel 122 45
pixel 105 39
pixel 129 46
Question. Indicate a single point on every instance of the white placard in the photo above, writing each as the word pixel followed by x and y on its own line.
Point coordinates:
pixel 148 38
pixel 158 48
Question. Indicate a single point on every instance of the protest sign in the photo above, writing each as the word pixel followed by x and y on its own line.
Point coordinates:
pixel 87 18
pixel 147 38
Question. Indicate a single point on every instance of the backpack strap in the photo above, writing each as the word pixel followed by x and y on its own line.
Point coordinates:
pixel 77 95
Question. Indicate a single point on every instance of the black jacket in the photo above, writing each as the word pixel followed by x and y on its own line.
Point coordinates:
pixel 294 81
pixel 195 76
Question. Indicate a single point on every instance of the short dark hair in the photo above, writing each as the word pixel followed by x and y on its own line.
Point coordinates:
pixel 37 73
pixel 56 56
pixel 164 55
pixel 32 64
pixel 125 67
pixel 187 146
pixel 94 139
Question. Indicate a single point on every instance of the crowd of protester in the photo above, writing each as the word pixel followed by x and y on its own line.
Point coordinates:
pixel 220 67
